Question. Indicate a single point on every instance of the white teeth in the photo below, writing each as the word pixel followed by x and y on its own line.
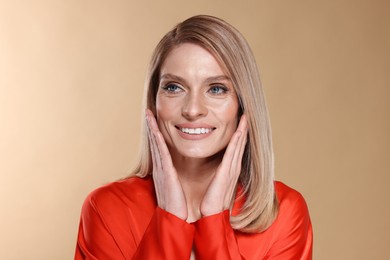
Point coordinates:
pixel 195 131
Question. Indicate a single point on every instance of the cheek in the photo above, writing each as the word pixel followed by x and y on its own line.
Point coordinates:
pixel 165 110
pixel 228 113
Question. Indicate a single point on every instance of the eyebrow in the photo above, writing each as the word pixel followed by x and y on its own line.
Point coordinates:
pixel 169 76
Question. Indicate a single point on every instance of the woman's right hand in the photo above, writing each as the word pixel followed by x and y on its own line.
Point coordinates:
pixel 170 195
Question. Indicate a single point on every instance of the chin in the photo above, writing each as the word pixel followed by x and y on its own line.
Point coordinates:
pixel 199 153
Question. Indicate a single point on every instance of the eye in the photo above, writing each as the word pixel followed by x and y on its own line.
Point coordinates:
pixel 172 88
pixel 218 90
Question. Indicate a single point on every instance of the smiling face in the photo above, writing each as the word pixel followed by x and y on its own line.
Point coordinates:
pixel 196 104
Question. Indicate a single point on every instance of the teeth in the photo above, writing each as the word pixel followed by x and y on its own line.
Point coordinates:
pixel 195 131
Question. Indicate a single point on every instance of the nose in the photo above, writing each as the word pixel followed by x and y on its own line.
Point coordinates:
pixel 194 107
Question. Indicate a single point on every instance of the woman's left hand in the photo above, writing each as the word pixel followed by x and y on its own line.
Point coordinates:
pixel 222 188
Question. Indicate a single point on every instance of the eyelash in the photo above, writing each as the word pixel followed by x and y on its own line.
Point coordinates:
pixel 168 88
pixel 220 87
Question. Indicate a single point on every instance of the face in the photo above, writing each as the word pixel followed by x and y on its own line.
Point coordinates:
pixel 196 103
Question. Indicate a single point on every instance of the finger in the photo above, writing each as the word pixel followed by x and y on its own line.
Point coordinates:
pixel 152 121
pixel 166 159
pixel 155 161
pixel 164 153
pixel 243 124
pixel 234 150
pixel 227 159
pixel 239 151
pixel 236 161
pixel 153 144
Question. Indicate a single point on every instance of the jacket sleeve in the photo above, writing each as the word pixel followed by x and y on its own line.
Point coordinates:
pixel 215 239
pixel 167 237
pixel 101 237
pixel 294 234
pixel 291 234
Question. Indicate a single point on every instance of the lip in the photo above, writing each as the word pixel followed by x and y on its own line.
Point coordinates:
pixel 194 137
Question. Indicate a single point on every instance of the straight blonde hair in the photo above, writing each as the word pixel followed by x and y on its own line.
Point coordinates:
pixel 232 51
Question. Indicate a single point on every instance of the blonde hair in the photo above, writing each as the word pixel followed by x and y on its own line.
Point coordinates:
pixel 233 53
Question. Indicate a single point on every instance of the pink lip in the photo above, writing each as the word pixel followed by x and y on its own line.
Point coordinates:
pixel 194 137
pixel 193 125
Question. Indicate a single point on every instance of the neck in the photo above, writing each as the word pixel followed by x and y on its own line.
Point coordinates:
pixel 195 175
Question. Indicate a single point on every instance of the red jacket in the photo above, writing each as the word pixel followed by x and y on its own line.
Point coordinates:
pixel 122 221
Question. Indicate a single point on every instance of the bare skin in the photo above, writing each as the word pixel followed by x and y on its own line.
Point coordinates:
pixel 189 199
pixel 195 174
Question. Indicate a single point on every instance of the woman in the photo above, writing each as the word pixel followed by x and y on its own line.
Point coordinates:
pixel 204 187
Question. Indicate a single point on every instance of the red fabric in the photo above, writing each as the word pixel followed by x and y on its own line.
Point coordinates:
pixel 122 221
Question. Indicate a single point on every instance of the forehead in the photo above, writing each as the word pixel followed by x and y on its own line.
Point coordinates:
pixel 191 58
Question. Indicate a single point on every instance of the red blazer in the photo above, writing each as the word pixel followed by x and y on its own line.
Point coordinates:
pixel 122 221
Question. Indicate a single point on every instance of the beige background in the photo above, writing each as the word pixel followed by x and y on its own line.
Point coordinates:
pixel 71 79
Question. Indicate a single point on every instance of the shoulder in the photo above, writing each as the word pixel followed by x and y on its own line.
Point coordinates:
pixel 127 188
pixel 124 192
pixel 293 210
pixel 291 235
pixel 287 195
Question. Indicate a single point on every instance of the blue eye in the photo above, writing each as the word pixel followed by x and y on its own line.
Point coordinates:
pixel 218 90
pixel 172 88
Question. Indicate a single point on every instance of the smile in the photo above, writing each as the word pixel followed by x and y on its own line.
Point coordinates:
pixel 196 131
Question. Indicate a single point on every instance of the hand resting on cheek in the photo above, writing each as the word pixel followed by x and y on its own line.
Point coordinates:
pixel 169 192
